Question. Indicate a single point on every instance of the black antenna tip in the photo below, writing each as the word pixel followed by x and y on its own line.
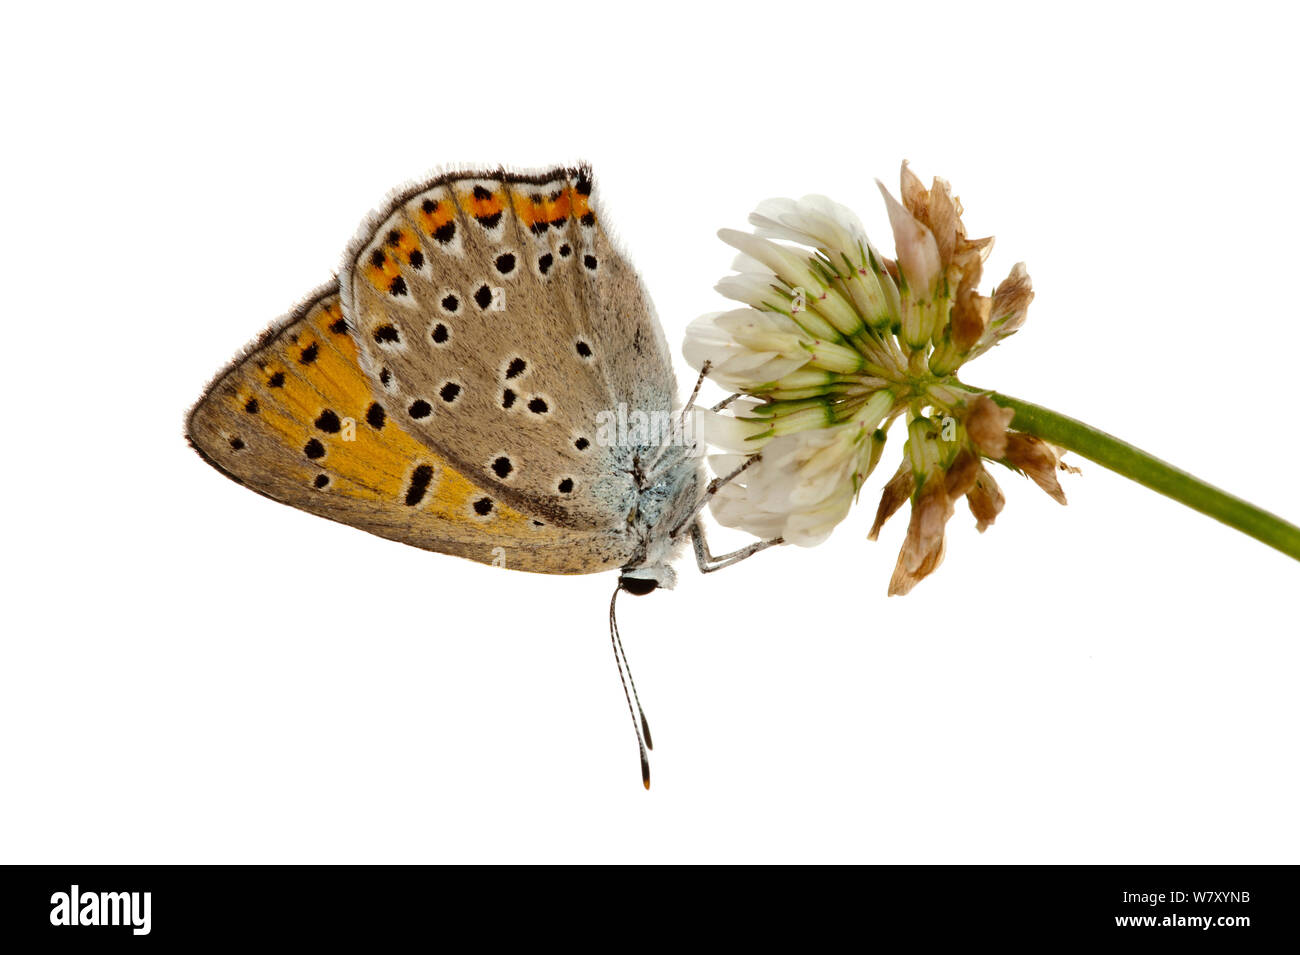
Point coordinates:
pixel 645 731
pixel 645 771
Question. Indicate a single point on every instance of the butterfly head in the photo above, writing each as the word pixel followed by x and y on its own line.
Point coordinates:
pixel 647 578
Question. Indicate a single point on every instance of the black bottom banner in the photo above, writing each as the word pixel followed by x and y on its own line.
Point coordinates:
pixel 97 907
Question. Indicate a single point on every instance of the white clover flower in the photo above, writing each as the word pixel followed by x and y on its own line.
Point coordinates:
pixel 836 344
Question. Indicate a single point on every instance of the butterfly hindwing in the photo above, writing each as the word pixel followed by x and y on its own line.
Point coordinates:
pixel 499 320
pixel 298 420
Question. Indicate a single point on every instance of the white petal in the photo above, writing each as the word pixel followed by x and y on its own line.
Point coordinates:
pixel 744 352
pixel 748 265
pixel 731 507
pixel 785 262
pixel 809 528
pixel 753 289
pixel 727 432
pixel 813 220
pixel 724 464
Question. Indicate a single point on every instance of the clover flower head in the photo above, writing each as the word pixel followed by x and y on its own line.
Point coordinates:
pixel 835 346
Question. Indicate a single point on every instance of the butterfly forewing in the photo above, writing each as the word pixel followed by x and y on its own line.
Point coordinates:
pixel 298 420
pixel 499 322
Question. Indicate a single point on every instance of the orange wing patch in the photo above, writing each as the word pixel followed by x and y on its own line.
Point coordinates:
pixel 543 207
pixel 486 204
pixel 436 215
pixel 306 389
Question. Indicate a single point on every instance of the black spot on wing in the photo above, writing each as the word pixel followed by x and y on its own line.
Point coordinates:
pixel 420 479
pixel 328 422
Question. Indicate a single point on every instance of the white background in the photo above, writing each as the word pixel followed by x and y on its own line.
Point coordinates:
pixel 192 673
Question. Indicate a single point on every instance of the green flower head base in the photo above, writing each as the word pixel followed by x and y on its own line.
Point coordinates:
pixel 837 345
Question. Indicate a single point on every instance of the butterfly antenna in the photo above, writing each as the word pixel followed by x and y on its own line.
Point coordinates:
pixel 639 724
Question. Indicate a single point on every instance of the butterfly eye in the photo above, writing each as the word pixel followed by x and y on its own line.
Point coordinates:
pixel 638 586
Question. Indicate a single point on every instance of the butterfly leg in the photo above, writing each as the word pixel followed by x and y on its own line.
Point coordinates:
pixel 679 429
pixel 708 563
pixel 695 392
pixel 714 486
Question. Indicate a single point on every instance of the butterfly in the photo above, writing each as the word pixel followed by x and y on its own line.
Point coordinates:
pixel 486 378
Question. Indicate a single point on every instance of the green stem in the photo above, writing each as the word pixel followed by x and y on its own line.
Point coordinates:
pixel 1135 464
